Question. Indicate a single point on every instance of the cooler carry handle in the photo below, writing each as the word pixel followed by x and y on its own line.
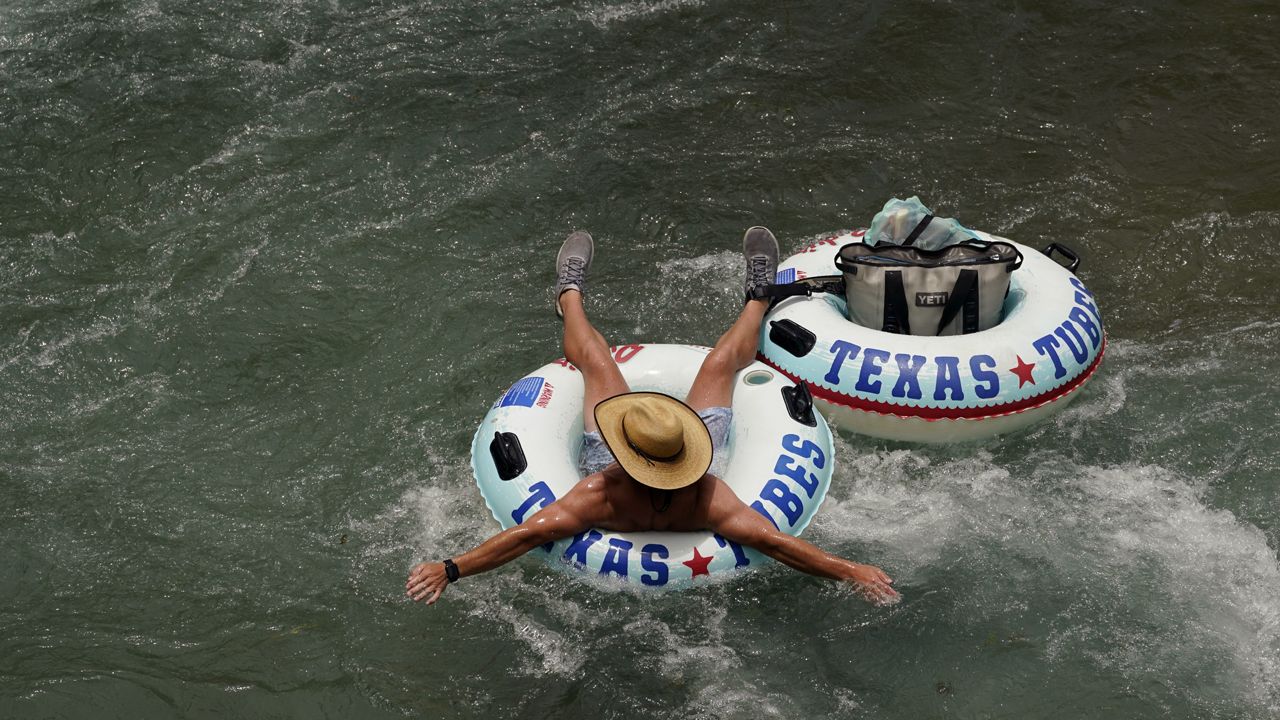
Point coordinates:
pixel 964 294
pixel 895 304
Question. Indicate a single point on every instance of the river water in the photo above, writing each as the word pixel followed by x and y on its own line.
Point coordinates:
pixel 264 267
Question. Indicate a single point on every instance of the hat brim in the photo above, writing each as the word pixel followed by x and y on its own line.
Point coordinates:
pixel 680 472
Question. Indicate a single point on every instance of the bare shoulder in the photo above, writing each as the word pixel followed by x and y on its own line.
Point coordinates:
pixel 719 492
pixel 729 516
pixel 715 500
pixel 591 489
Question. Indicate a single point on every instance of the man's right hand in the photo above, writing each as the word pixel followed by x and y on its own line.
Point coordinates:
pixel 873 584
pixel 426 580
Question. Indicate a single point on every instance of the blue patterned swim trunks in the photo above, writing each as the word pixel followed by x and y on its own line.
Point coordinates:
pixel 596 455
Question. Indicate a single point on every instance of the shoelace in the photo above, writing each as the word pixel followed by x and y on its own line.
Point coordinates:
pixel 573 272
pixel 758 270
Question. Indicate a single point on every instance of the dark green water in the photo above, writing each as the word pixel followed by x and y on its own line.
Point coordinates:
pixel 264 266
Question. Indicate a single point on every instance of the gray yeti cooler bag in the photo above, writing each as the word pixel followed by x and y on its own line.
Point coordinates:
pixel 956 290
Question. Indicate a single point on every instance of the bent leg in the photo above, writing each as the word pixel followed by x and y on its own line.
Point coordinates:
pixel 736 349
pixel 587 350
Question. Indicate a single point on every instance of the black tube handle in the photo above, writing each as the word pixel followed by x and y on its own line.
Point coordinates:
pixel 1066 252
pixel 508 455
pixel 799 404
pixel 792 337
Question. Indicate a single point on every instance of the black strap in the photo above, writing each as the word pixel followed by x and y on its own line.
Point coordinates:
pixel 777 292
pixel 451 570
pixel 895 304
pixel 964 294
pixel 970 322
pixel 911 239
pixel 833 284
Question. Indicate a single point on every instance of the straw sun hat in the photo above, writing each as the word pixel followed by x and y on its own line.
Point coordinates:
pixel 658 440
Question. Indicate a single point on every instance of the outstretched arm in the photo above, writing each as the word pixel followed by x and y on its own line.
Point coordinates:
pixel 733 520
pixel 571 514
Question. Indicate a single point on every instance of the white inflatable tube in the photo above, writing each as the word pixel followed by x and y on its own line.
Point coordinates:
pixel 778 465
pixel 938 389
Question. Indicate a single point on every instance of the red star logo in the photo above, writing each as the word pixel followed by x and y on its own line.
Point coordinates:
pixel 699 564
pixel 1023 371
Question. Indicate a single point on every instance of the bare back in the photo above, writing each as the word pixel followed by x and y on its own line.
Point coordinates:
pixel 613 501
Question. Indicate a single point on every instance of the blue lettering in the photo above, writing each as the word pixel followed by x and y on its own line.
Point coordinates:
pixel 759 507
pixel 777 492
pixel 872 360
pixel 740 558
pixel 908 384
pixel 1083 301
pixel 541 496
pixel 1090 329
pixel 577 551
pixel 948 378
pixel 808 481
pixel 983 374
pixel 1080 286
pixel 1077 348
pixel 615 558
pixel 1085 297
pixel 843 351
pixel 805 449
pixel 648 561
pixel 1048 346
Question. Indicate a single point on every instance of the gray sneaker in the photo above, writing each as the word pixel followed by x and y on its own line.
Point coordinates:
pixel 572 264
pixel 760 248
